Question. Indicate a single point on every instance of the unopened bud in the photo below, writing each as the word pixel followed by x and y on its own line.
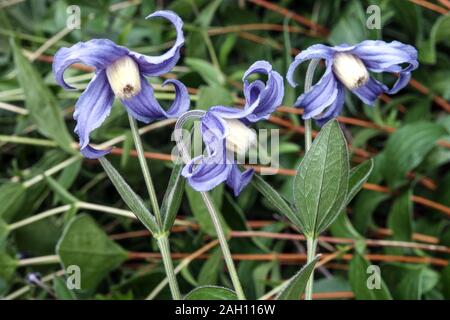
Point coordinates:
pixel 124 78
pixel 350 70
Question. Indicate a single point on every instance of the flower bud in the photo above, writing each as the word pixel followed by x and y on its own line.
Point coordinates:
pixel 240 138
pixel 350 70
pixel 124 78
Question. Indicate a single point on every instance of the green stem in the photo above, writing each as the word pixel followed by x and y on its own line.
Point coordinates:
pixel 145 169
pixel 224 246
pixel 164 247
pixel 311 245
pixel 163 241
pixel 39 261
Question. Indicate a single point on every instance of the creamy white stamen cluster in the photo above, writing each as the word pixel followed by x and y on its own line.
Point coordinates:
pixel 124 78
pixel 240 138
pixel 350 70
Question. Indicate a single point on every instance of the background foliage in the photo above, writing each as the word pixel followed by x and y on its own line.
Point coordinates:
pixel 400 221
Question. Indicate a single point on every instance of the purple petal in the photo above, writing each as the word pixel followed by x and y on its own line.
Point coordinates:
pixel 238 180
pixel 214 130
pixel 317 51
pixel 334 109
pixel 321 95
pixel 380 56
pixel 205 176
pixel 98 53
pixel 91 109
pixel 370 91
pixel 157 65
pixel 261 102
pixel 144 106
pixel 261 99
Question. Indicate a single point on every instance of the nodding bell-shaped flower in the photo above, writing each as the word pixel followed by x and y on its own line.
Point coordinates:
pixel 120 73
pixel 349 67
pixel 225 132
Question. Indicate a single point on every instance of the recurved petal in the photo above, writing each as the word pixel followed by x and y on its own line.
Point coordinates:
pixel 317 51
pixel 91 109
pixel 98 53
pixel 238 180
pixel 396 57
pixel 144 106
pixel 203 175
pixel 370 92
pixel 321 95
pixel 157 65
pixel 380 56
pixel 334 109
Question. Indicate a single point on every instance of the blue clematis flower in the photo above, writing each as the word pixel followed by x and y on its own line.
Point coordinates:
pixel 225 132
pixel 120 73
pixel 348 67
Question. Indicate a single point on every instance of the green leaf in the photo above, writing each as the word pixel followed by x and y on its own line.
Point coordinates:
pixel 407 147
pixel 275 199
pixel 351 27
pixel 210 270
pixel 211 293
pixel 295 286
pixel 61 290
pixel 172 198
pixel 85 245
pixel 206 70
pixel 320 186
pixel 11 196
pixel 4 232
pixel 439 32
pixel 445 278
pixel 41 103
pixel 205 17
pixel 359 276
pixel 400 217
pixel 201 213
pixel 358 176
pixel 66 196
pixel 8 266
pixel 212 96
pixel 343 228
pixel 130 197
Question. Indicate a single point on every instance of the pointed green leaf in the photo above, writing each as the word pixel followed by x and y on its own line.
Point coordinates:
pixel 61 290
pixel 295 286
pixel 359 274
pixel 130 197
pixel 4 232
pixel 85 245
pixel 11 197
pixel 407 147
pixel 201 213
pixel 41 103
pixel 207 71
pixel 172 199
pixel 358 176
pixel 66 196
pixel 8 266
pixel 275 199
pixel 211 293
pixel 320 186
pixel 401 216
